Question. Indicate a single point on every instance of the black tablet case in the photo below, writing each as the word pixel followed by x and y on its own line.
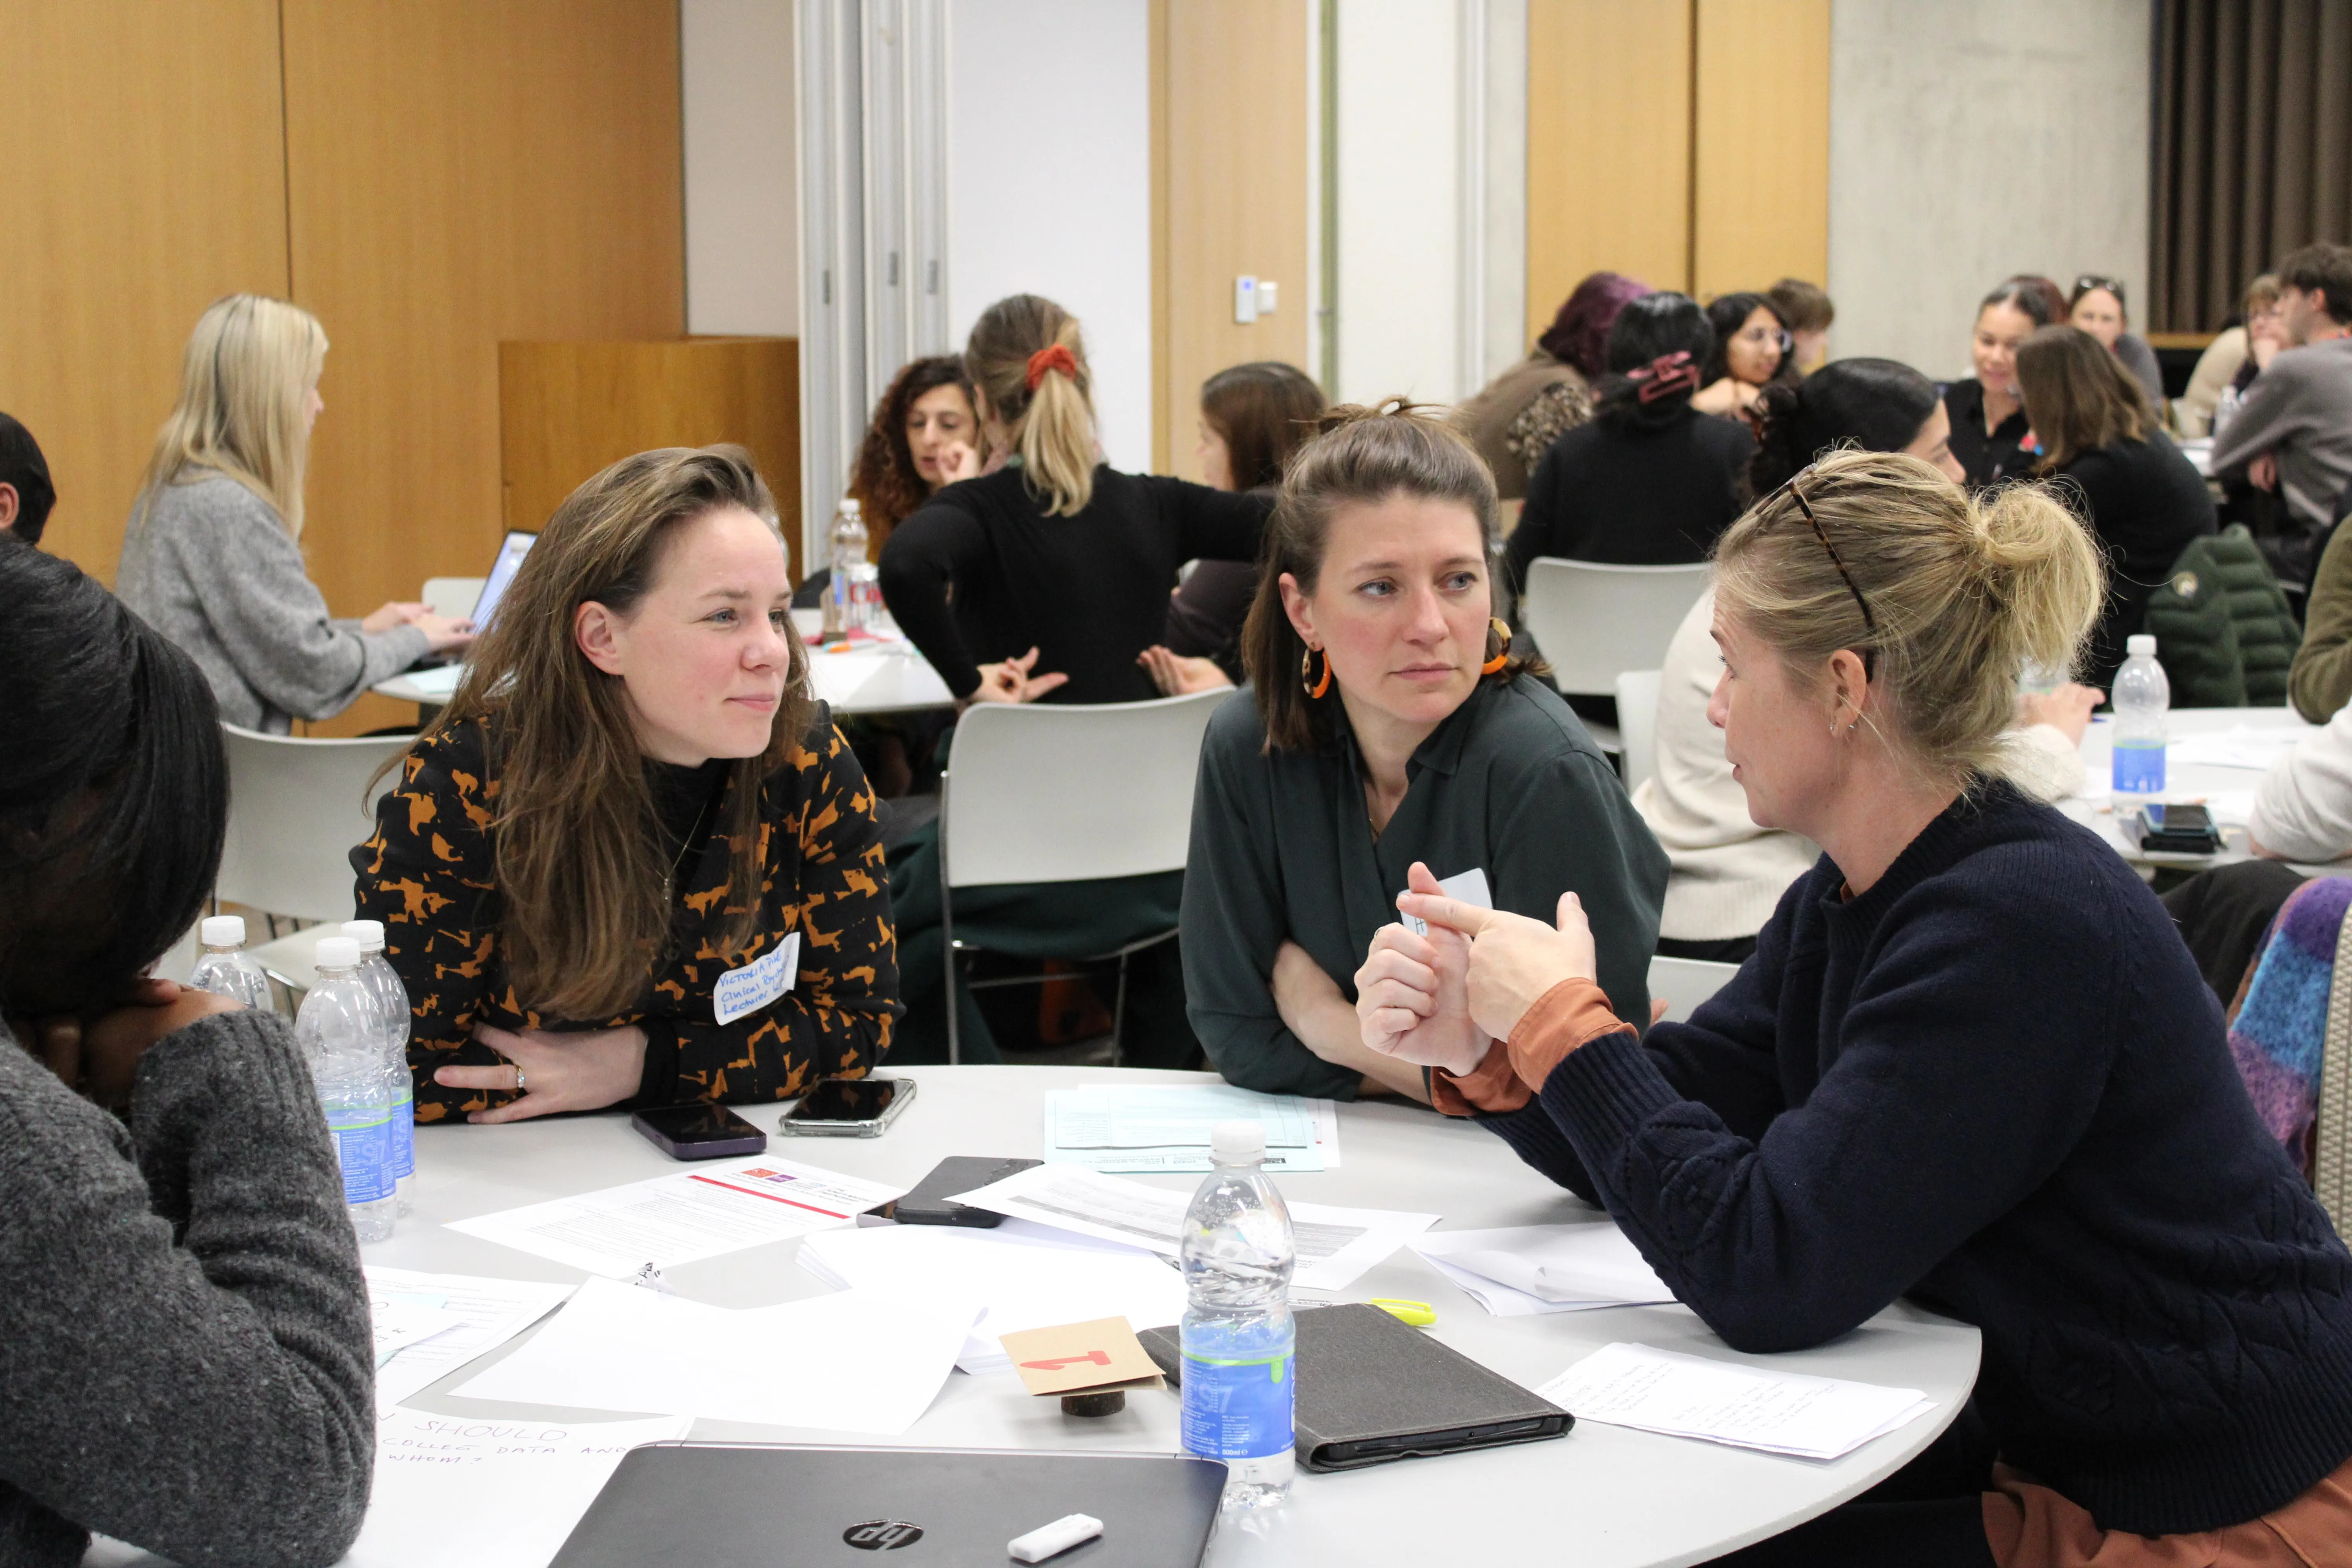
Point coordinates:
pixel 1372 1389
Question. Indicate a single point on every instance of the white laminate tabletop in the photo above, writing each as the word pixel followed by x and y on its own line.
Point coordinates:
pixel 1602 1496
pixel 2225 790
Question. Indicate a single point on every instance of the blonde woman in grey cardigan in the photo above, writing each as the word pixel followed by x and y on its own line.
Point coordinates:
pixel 213 558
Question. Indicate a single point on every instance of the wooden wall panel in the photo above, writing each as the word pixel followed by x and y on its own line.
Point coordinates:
pixel 1609 149
pixel 1230 198
pixel 145 178
pixel 1761 159
pixel 464 172
pixel 567 409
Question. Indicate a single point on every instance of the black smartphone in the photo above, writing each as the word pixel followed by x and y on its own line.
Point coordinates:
pixel 704 1131
pixel 928 1204
pixel 2178 829
pixel 849 1107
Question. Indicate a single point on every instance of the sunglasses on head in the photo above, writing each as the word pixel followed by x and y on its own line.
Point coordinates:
pixel 2090 280
pixel 1869 664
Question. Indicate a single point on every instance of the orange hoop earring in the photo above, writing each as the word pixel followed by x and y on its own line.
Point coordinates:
pixel 1316 684
pixel 1502 657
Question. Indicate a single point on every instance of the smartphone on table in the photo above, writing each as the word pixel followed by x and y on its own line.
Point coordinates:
pixel 849 1107
pixel 2178 829
pixel 929 1203
pixel 704 1131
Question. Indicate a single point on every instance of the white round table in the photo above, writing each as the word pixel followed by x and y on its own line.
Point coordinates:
pixel 2226 791
pixel 1603 1497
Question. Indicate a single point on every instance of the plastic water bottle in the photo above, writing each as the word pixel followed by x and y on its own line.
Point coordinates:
pixel 223 968
pixel 1239 1382
pixel 392 1017
pixel 2142 697
pixel 843 605
pixel 343 1044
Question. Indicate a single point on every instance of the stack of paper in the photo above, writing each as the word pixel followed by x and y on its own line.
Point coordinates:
pixel 473 1316
pixel 1111 1127
pixel 1026 1276
pixel 859 1361
pixel 683 1218
pixel 2240 746
pixel 1520 1271
pixel 463 1493
pixel 1690 1396
pixel 1335 1245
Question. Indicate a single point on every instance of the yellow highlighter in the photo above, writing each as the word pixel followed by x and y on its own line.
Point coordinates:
pixel 1419 1314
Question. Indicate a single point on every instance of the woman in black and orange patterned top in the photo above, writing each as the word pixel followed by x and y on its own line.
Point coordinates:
pixel 564 870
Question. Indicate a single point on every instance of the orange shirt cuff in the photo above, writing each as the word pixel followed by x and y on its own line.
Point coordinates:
pixel 1572 1014
pixel 1493 1086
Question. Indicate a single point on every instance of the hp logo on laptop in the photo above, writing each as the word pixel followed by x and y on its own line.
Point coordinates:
pixel 882 1534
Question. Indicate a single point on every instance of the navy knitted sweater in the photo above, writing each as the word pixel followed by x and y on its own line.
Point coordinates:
pixel 1996 1085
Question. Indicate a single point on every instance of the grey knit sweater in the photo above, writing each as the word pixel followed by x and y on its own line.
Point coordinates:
pixel 212 568
pixel 185 1361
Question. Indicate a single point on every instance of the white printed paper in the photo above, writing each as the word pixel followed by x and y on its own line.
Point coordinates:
pixel 1691 1396
pixel 2240 746
pixel 1516 1271
pixel 489 1313
pixel 1463 888
pixel 862 1361
pixel 1335 1245
pixel 459 1492
pixel 683 1218
pixel 1030 1279
pixel 402 1319
pixel 1165 1128
pixel 751 986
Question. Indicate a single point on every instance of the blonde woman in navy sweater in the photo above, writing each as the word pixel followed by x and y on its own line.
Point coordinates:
pixel 1970 1064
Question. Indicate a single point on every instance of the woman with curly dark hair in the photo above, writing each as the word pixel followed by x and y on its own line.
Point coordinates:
pixel 910 448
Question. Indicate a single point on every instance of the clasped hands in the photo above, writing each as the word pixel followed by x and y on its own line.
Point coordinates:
pixel 1440 1000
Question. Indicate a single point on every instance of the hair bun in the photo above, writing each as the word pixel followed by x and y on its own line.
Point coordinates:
pixel 1784 444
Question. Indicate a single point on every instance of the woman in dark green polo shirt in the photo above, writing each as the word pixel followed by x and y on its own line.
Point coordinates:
pixel 1390 725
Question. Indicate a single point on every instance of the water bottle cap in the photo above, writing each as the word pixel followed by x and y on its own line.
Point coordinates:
pixel 338 953
pixel 369 934
pixel 1237 1142
pixel 222 930
pixel 2143 645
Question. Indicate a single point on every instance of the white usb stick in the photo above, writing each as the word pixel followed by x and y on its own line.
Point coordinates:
pixel 1047 1540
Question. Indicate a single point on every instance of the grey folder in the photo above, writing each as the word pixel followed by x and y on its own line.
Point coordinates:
pixel 1372 1389
pixel 757 1505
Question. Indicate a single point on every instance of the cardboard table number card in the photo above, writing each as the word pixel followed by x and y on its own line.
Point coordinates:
pixel 1088 1366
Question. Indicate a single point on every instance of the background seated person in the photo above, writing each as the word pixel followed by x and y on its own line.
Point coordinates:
pixel 921 431
pixel 1050 571
pixel 631 796
pixel 184 1342
pixel 27 493
pixel 2235 356
pixel 1970 1064
pixel 213 555
pixel 1752 345
pixel 2294 433
pixel 1514 419
pixel 1989 430
pixel 1390 725
pixel 2096 306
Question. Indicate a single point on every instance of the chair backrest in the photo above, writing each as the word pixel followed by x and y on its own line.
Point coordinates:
pixel 1637 723
pixel 453 596
pixel 1071 792
pixel 1684 982
pixel 295 811
pixel 1593 621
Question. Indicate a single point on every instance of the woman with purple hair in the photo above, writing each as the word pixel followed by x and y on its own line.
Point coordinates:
pixel 1514 421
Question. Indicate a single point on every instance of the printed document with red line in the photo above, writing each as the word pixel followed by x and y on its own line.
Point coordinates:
pixel 683 1217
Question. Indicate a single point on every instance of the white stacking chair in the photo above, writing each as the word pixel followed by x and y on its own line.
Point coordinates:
pixel 296 808
pixel 1684 982
pixel 453 596
pixel 1592 621
pixel 1066 793
pixel 1637 723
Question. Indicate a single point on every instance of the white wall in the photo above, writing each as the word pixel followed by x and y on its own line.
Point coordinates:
pixel 1970 142
pixel 1049 160
pixel 742 224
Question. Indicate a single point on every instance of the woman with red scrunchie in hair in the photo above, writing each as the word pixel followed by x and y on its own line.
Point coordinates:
pixel 1047 570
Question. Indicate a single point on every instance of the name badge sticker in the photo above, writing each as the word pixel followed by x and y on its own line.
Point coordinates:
pixel 758 982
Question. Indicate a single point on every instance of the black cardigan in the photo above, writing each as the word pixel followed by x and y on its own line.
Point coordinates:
pixel 1089 591
pixel 1994 1083
pixel 1615 492
pixel 2146 504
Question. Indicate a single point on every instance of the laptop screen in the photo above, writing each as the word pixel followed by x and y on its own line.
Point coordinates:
pixel 510 553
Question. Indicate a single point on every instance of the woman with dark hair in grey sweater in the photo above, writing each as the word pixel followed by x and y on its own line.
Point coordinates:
pixel 186 1359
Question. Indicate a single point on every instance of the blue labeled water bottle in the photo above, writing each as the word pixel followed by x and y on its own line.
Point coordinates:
pixel 342 1043
pixel 1239 1382
pixel 2142 699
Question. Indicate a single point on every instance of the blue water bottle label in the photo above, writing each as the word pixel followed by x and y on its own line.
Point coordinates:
pixel 1237 1409
pixel 360 1145
pixel 2139 767
pixel 403 1132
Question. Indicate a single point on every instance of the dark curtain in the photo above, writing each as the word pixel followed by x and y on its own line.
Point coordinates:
pixel 2254 147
